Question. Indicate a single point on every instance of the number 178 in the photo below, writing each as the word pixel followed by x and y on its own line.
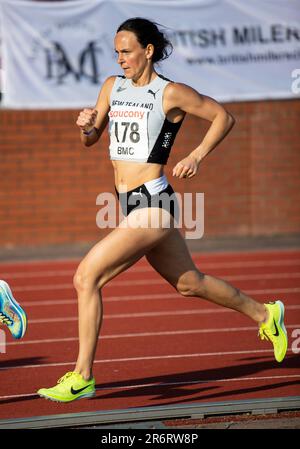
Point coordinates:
pixel 134 135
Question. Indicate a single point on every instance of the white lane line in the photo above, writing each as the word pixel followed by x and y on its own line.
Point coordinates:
pixel 147 268
pixel 164 384
pixel 112 284
pixel 37 274
pixel 263 276
pixel 133 315
pixel 143 358
pixel 192 382
pixel 147 314
pixel 154 296
pixel 145 334
pixel 53 302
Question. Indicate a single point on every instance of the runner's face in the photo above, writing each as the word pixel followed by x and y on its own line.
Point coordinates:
pixel 132 57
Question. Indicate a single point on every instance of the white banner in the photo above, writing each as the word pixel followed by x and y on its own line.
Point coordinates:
pixel 57 54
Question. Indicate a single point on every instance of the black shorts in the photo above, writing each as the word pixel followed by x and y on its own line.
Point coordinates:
pixel 140 198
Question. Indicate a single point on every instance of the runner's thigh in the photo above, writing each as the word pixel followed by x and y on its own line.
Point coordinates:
pixel 172 260
pixel 120 249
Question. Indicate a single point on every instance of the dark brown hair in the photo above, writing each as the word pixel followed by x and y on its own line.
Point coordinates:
pixel 147 32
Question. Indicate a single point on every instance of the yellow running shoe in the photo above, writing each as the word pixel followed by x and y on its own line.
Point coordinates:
pixel 70 387
pixel 274 329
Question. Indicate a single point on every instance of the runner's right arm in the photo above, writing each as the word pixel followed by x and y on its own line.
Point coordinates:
pixel 92 122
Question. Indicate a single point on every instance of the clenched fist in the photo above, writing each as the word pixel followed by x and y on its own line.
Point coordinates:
pixel 186 168
pixel 87 119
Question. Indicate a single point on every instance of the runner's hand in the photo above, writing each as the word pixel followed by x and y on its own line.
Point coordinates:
pixel 186 168
pixel 87 119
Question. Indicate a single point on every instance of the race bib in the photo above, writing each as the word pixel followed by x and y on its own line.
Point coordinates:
pixel 128 129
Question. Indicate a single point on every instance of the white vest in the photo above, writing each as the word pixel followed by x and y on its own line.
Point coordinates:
pixel 138 127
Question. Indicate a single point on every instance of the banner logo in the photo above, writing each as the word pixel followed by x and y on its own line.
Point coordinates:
pixel 59 65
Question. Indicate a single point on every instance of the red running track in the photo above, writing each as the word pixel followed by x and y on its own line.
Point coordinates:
pixel 156 347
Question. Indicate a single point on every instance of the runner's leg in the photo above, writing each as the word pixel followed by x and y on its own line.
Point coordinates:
pixel 119 250
pixel 171 258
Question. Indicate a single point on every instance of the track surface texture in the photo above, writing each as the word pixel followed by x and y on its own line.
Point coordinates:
pixel 155 347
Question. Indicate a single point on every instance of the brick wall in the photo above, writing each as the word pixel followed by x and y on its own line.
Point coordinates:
pixel 49 182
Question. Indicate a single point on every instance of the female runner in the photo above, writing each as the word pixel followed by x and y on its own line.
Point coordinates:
pixel 145 111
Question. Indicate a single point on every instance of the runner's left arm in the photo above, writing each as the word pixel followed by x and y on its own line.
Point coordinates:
pixel 192 102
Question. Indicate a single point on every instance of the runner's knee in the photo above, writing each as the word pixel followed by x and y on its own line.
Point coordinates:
pixel 84 281
pixel 191 283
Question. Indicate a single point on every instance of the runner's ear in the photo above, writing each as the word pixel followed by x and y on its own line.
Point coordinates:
pixel 149 51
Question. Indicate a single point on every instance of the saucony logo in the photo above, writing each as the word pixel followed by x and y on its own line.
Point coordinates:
pixel 277 332
pixel 78 391
pixel 152 93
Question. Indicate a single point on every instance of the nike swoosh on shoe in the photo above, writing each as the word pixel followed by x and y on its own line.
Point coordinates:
pixel 80 389
pixel 276 328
